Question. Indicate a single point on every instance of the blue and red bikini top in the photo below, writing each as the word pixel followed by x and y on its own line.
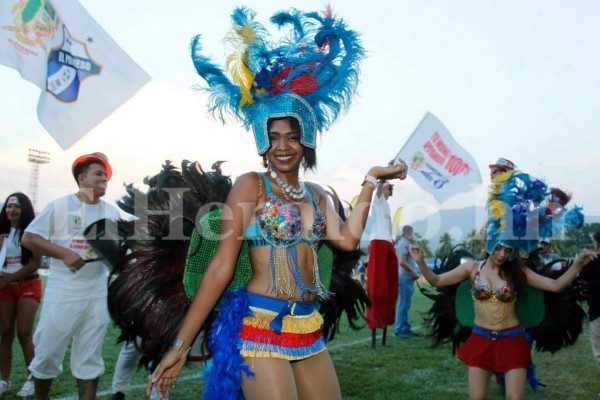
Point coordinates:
pixel 280 224
pixel 482 291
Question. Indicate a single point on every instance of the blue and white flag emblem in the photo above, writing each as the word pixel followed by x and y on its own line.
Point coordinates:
pixel 68 66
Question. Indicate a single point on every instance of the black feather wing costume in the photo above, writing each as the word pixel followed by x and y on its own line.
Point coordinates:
pixel 555 319
pixel 162 257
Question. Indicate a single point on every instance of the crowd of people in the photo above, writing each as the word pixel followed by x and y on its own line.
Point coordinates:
pixel 266 338
pixel 58 232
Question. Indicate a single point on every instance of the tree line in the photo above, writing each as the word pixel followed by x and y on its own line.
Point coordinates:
pixel 567 245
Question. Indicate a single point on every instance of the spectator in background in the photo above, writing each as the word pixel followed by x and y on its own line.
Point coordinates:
pixel 408 273
pixel 591 275
pixel 545 253
pixel 382 270
pixel 74 307
pixel 501 166
pixel 20 288
pixel 128 360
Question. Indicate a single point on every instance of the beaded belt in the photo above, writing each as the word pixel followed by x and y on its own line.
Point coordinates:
pixel 25 279
pixel 493 335
pixel 282 307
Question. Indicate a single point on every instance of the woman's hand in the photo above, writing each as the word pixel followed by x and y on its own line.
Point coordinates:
pixel 167 372
pixel 584 257
pixel 398 170
pixel 416 253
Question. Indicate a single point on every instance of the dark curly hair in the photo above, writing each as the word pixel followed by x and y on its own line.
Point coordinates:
pixel 27 215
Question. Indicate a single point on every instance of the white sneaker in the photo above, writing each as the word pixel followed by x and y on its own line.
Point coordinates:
pixel 4 387
pixel 27 390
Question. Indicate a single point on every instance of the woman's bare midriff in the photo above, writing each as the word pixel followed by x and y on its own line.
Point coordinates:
pixel 259 283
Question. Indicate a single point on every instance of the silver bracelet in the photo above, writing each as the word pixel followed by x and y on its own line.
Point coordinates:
pixel 371 179
pixel 177 344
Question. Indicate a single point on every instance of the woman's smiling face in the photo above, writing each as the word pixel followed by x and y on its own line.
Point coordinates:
pixel 286 151
pixel 13 213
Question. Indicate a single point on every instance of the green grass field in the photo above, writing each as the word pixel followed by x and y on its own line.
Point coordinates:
pixel 402 369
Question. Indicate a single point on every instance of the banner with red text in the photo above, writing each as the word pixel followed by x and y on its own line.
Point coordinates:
pixel 82 72
pixel 437 162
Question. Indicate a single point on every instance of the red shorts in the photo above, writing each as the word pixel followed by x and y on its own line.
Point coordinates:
pixel 31 289
pixel 500 355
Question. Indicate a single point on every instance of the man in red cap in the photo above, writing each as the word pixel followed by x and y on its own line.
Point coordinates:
pixel 501 166
pixel 74 306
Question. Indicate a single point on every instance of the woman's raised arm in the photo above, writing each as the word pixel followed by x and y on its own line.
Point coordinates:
pixel 458 274
pixel 345 235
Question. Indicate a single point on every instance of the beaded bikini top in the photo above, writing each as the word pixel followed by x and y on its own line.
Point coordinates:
pixel 279 225
pixel 482 291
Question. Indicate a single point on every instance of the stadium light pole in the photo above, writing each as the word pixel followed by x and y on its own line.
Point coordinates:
pixel 36 157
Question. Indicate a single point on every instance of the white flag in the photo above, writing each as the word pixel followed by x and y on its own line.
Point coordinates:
pixel 83 74
pixel 437 162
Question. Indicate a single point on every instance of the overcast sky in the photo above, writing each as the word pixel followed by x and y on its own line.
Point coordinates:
pixel 509 79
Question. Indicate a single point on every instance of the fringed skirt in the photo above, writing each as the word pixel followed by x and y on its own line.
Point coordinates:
pixel 251 325
pixel 281 329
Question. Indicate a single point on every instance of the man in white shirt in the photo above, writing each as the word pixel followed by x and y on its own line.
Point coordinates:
pixel 74 305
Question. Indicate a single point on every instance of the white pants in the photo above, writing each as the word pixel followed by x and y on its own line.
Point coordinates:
pixel 125 370
pixel 84 322
pixel 595 339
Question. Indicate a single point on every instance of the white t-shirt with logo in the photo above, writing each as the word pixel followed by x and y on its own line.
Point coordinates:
pixel 63 222
pixel 11 253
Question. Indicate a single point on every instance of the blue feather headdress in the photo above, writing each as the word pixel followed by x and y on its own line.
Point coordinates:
pixel 310 74
pixel 523 209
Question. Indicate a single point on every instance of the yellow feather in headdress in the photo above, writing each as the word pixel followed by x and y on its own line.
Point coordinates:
pixel 498 182
pixel 237 63
pixel 496 209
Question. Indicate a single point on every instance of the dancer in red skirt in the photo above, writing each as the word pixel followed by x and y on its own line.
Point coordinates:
pixel 497 342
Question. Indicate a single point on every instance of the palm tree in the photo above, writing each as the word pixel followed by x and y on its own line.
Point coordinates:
pixel 447 243
pixel 424 245
pixel 475 243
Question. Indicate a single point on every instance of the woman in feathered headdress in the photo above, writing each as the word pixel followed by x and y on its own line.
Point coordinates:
pixel 497 342
pixel 267 337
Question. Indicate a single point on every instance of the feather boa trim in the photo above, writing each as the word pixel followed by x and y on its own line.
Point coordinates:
pixel 224 378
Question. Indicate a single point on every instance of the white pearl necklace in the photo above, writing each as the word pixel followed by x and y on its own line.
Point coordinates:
pixel 296 193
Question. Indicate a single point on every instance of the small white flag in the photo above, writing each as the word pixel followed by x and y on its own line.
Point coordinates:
pixel 82 72
pixel 437 162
